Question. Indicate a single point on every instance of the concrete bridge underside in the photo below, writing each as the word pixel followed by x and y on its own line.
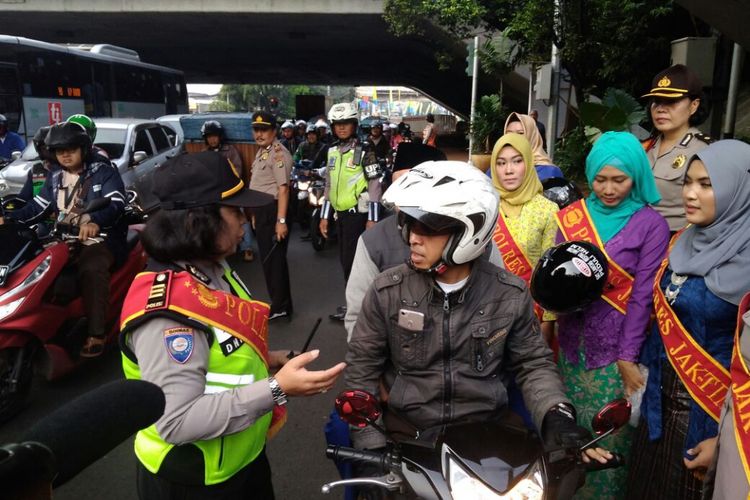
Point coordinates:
pixel 273 41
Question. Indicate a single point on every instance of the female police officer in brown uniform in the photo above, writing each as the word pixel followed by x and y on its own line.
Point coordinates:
pixel 190 326
pixel 676 108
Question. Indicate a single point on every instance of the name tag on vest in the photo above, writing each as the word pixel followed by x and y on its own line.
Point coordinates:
pixel 228 343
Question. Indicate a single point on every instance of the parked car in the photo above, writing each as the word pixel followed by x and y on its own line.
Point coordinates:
pixel 135 146
pixel 14 175
pixel 173 121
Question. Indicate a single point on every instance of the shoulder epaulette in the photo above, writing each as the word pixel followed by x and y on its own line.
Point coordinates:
pixel 704 138
pixel 388 279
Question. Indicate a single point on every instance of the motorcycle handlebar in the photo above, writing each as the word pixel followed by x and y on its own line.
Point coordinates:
pixel 617 460
pixel 383 460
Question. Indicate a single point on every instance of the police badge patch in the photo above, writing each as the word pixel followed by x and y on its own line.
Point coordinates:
pixel 179 343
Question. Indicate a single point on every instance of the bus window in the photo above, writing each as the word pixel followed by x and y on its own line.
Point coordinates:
pixel 96 78
pixel 136 84
pixel 49 74
pixel 10 102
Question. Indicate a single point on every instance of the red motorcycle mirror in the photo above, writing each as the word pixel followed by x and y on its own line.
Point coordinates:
pixel 612 416
pixel 358 408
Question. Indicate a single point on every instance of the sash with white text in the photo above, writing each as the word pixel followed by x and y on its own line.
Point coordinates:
pixel 576 225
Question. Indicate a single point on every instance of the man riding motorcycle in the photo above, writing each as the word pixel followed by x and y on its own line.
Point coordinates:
pixel 79 177
pixel 313 149
pixel 439 336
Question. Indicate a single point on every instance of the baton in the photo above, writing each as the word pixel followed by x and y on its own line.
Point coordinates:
pixel 291 354
pixel 275 244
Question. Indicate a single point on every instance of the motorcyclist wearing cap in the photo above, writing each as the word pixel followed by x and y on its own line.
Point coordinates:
pixel 10 142
pixel 78 178
pixel 441 331
pixel 353 187
pixel 205 345
pixel 289 137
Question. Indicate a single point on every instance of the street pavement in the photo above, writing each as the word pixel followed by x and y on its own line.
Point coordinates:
pixel 297 453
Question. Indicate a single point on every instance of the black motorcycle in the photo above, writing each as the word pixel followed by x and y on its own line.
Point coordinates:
pixel 472 460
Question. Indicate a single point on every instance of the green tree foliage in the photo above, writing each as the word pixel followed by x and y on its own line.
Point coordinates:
pixel 602 43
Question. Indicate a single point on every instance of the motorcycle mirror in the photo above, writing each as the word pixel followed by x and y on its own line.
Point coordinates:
pixel 15 155
pixel 612 416
pixel 358 408
pixel 96 204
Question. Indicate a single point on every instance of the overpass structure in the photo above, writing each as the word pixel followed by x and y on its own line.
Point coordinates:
pixel 320 42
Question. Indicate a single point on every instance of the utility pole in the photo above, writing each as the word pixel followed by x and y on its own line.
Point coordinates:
pixel 474 75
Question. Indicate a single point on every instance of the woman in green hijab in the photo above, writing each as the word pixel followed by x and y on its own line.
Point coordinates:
pixel 600 345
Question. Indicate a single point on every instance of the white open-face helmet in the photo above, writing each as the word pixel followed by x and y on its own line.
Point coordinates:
pixel 321 123
pixel 287 124
pixel 343 112
pixel 448 195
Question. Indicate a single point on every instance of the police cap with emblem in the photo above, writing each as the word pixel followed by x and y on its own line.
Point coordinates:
pixel 200 179
pixel 676 82
pixel 263 119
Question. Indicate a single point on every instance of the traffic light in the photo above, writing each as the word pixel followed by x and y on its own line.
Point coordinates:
pixel 470 58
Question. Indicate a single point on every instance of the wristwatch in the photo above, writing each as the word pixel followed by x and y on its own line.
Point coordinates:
pixel 281 220
pixel 278 395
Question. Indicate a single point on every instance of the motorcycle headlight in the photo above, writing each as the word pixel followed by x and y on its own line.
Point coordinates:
pixel 313 199
pixel 9 308
pixel 32 278
pixel 303 185
pixel 466 486
pixel 321 201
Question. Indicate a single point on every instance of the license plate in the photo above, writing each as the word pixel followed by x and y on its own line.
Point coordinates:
pixel 3 274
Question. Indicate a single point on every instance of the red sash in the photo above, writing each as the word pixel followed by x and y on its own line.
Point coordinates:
pixel 513 257
pixel 180 292
pixel 704 378
pixel 741 392
pixel 576 225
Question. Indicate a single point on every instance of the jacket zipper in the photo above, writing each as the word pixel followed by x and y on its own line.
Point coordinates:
pixel 448 393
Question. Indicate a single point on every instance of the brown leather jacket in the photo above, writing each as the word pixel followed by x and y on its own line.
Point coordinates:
pixel 456 367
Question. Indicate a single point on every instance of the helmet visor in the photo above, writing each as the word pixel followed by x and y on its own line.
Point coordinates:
pixel 427 224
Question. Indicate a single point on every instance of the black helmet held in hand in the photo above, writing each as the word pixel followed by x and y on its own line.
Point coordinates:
pixel 561 191
pixel 68 135
pixel 569 277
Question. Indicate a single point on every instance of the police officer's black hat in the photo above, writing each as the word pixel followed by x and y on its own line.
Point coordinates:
pixel 199 179
pixel 263 119
pixel 569 277
pixel 411 154
pixel 676 82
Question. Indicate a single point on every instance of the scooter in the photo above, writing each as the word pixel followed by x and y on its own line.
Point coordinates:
pixel 477 460
pixel 42 323
pixel 316 199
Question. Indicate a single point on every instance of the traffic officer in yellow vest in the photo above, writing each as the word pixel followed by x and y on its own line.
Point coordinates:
pixel 190 326
pixel 353 187
pixel 271 171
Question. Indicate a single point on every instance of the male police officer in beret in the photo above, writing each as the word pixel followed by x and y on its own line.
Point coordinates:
pixel 270 174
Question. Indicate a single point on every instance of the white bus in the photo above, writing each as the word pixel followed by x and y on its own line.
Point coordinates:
pixel 43 83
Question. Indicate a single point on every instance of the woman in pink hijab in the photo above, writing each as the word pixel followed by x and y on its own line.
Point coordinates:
pixel 526 126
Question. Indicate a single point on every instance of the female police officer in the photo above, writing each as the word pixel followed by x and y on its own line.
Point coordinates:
pixel 190 326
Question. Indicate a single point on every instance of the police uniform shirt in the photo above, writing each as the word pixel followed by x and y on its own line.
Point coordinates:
pixel 271 169
pixel 190 414
pixel 669 171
